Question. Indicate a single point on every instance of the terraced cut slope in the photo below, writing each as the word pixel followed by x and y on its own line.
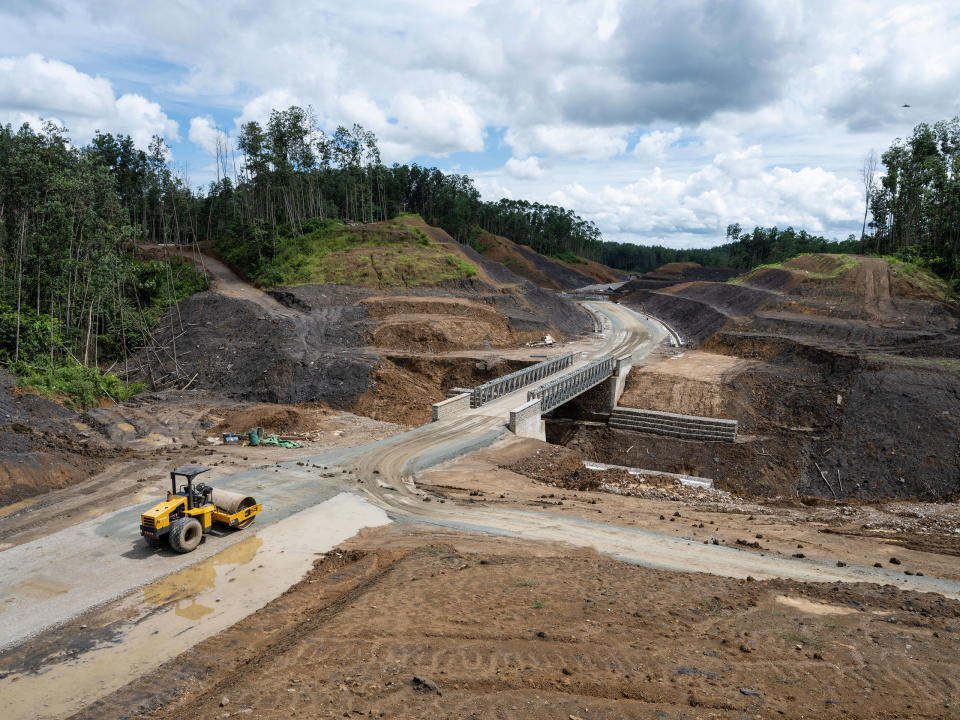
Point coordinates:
pixel 853 392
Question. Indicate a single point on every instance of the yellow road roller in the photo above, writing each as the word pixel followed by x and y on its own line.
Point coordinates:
pixel 189 512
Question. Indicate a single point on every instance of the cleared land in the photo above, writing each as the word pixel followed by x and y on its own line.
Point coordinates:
pixel 494 591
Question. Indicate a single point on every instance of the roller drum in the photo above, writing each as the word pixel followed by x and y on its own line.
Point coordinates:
pixel 232 503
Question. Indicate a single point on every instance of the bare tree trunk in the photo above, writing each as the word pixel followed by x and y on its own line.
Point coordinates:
pixel 23 236
pixel 867 173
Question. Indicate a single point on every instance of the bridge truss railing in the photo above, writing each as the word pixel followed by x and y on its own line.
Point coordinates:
pixel 494 389
pixel 556 392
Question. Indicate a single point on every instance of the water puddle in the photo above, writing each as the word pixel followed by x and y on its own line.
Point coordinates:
pixel 177 612
pixel 813 608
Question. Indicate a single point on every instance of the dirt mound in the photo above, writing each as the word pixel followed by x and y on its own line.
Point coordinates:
pixel 774 279
pixel 233 346
pixel 692 384
pixel 437 324
pixel 274 419
pixel 676 269
pixel 403 388
pixel 818 263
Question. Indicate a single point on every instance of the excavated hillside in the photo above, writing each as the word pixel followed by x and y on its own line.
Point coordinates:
pixel 332 343
pixel 44 446
pixel 843 371
pixel 547 272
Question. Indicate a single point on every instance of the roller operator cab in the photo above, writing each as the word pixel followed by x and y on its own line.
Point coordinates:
pixel 190 511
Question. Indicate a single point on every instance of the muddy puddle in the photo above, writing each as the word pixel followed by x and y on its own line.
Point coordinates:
pixel 166 617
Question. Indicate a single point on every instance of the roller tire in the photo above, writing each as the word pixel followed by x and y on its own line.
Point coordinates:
pixel 185 534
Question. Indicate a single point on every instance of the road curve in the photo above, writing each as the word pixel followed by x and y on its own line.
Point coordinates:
pixel 394 463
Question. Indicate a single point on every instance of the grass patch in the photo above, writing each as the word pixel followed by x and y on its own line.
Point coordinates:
pixel 568 257
pixel 920 276
pixel 380 255
pixel 524 582
pixel 75 385
pixel 844 263
pixel 537 604
pixel 937 363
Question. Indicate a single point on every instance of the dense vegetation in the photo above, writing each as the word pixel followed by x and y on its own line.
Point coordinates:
pixel 73 294
pixel 742 250
pixel 916 205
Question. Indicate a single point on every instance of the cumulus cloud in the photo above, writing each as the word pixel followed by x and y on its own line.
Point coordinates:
pixel 205 133
pixel 734 187
pixel 653 145
pixel 33 87
pixel 527 169
pixel 588 143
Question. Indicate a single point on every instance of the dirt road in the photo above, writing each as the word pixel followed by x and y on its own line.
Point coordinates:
pixel 227 282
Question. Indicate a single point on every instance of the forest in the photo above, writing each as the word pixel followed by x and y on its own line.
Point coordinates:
pixel 76 294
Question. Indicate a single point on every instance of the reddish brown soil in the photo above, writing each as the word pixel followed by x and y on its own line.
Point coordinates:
pixel 439 324
pixel 426 625
pixel 544 271
pixel 677 268
pixel 278 419
pixel 404 388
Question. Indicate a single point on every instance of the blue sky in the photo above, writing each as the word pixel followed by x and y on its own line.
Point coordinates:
pixel 661 122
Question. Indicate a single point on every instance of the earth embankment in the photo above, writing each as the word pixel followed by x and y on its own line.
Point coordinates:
pixel 844 376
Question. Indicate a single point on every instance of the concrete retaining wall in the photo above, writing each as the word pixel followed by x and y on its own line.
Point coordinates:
pixel 451 406
pixel 526 421
pixel 689 427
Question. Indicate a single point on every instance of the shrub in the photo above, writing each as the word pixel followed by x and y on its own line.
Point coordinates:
pixel 76 385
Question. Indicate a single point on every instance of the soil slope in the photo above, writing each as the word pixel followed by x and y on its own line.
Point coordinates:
pixel 854 389
pixel 546 272
pixel 309 342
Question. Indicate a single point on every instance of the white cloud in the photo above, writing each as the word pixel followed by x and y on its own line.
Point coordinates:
pixel 205 133
pixel 587 143
pixel 440 124
pixel 32 87
pixel 528 169
pixel 567 86
pixel 734 187
pixel 653 145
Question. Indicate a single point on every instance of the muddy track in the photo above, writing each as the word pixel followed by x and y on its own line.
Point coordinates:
pixel 227 282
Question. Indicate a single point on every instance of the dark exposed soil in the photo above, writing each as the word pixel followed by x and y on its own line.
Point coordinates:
pixel 859 376
pixel 306 343
pixel 543 271
pixel 40 447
